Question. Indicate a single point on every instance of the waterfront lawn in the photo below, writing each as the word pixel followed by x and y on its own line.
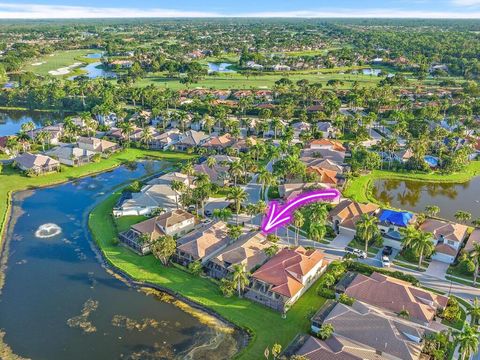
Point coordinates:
pixel 360 188
pixel 59 59
pixel 265 326
pixel 12 180
pixel 123 223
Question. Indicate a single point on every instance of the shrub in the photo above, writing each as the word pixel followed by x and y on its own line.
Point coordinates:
pixel 345 299
pixel 452 312
pixel 326 293
pixel 369 270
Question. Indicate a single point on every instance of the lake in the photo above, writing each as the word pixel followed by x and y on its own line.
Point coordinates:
pixel 220 67
pixel 58 302
pixel 11 121
pixel 415 196
pixel 95 70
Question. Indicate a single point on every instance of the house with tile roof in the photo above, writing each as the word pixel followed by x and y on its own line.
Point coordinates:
pixel 218 143
pixel 174 223
pixel 36 163
pixel 71 155
pixel 474 238
pixel 363 332
pixel 312 157
pixel 97 145
pixel 281 281
pixel 347 213
pixel 326 129
pixel 327 144
pixel 395 295
pixel 191 139
pixel 326 176
pixel 202 244
pixel 447 237
pixel 248 250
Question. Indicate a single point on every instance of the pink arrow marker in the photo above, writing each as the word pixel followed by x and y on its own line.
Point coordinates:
pixel 277 217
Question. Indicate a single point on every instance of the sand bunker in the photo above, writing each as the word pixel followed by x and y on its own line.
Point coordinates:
pixel 38 63
pixel 48 231
pixel 64 70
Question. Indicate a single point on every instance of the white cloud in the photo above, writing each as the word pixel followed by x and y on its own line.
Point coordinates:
pixel 39 11
pixel 466 2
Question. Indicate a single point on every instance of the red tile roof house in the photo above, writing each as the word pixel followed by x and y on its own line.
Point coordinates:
pixel 447 237
pixel 346 214
pixel 281 281
pixel 395 295
pixel 219 143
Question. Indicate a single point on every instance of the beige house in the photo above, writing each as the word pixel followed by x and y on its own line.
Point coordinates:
pixel 346 214
pixel 71 155
pixel 202 244
pixel 36 163
pixel 97 145
pixel 174 223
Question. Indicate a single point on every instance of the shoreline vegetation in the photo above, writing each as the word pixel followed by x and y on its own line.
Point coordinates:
pixel 360 188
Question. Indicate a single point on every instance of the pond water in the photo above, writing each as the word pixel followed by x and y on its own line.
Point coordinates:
pixel 220 67
pixel 11 121
pixel 95 69
pixel 415 196
pixel 373 72
pixel 58 302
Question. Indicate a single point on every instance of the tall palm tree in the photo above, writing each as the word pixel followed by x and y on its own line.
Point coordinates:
pixel 238 196
pixel 211 162
pixel 367 229
pixel 240 278
pixel 475 256
pixel 126 128
pixel 420 242
pixel 188 169
pixel 146 137
pixel 28 127
pixel 235 170
pixel 474 311
pixel 265 178
pixel 298 221
pixel 468 341
pixel 432 210
pixel 222 214
pixel 463 216
pixel 178 187
pixel 317 231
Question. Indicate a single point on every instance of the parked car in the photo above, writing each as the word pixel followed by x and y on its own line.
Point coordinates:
pixel 208 213
pixel 387 251
pixel 360 253
pixel 386 261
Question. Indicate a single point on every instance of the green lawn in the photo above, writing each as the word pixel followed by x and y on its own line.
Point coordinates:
pixel 360 188
pixel 266 326
pixel 12 180
pixel 58 60
pixel 123 223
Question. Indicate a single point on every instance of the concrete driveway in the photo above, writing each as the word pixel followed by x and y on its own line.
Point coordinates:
pixel 341 240
pixel 437 269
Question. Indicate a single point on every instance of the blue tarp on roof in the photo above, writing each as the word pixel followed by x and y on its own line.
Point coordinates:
pixel 399 218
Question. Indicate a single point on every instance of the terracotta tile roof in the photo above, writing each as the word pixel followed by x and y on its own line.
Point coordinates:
pixel 330 349
pixel 445 249
pixel 326 176
pixel 204 241
pixel 29 161
pixel 349 212
pixel 450 231
pixel 285 270
pixel 334 145
pixel 395 295
pixel 219 141
pixel 473 239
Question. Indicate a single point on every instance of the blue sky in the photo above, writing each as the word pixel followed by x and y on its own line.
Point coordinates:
pixel 243 8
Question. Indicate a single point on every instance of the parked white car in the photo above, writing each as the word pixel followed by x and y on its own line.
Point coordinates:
pixel 386 261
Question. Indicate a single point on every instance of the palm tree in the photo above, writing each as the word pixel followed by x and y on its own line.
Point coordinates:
pixel 462 216
pixel 367 229
pixel 28 126
pixel 474 311
pixel 265 178
pixel 211 162
pixel 432 210
pixel 468 340
pixel 188 169
pixel 146 136
pixel 234 232
pixel 298 221
pixel 475 256
pixel 222 214
pixel 178 187
pixel 126 128
pixel 235 170
pixel 240 278
pixel 238 196
pixel 326 331
pixel 44 137
pixel 317 231
pixel 163 248
pixel 421 243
